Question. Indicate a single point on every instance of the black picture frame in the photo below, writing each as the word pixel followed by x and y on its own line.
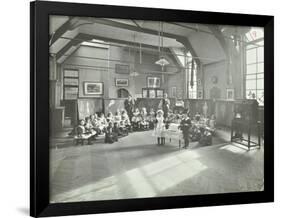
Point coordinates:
pixel 122 84
pixel 39 105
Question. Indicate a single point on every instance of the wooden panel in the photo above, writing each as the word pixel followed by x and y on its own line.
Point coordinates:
pixel 86 107
pixel 112 105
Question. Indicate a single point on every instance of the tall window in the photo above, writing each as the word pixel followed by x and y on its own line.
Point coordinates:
pixel 192 88
pixel 255 65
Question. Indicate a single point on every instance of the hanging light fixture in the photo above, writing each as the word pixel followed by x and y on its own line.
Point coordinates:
pixel 162 61
pixel 134 73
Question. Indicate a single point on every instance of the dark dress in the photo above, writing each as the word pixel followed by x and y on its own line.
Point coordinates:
pixel 165 106
pixel 129 107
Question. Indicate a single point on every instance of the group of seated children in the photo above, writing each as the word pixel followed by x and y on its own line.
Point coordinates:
pixel 113 126
pixel 141 120
pixel 97 124
pixel 199 128
pixel 203 129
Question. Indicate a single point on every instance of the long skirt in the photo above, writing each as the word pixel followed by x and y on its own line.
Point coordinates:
pixel 159 130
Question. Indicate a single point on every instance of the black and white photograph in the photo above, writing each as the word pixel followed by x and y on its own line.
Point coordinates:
pixel 121 82
pixel 157 135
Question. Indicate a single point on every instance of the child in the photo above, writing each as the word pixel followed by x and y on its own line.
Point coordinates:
pixel 126 121
pixel 80 129
pixel 116 130
pixel 159 130
pixel 117 117
pixel 197 117
pixel 95 123
pixel 109 117
pixel 143 122
pixel 151 118
pixel 123 129
pixel 212 122
pixel 185 125
pixel 136 120
pixel 170 118
pixel 102 120
pixel 83 130
pixel 110 136
pixel 206 138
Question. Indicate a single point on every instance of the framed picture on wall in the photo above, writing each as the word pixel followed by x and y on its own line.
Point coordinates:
pixel 121 82
pixel 152 93
pixel 229 94
pixel 145 93
pixel 153 82
pixel 93 88
pixel 139 172
pixel 159 93
pixel 122 68
pixel 200 94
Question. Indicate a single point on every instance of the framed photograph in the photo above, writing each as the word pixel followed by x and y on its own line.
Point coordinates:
pixel 93 88
pixel 153 82
pixel 200 94
pixel 145 93
pixel 151 93
pixel 159 93
pixel 121 82
pixel 230 94
pixel 122 68
pixel 72 173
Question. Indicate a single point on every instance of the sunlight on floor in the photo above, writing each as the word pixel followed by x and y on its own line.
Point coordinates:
pixel 146 181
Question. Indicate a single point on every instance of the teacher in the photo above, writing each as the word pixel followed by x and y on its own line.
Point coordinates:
pixel 165 105
pixel 129 105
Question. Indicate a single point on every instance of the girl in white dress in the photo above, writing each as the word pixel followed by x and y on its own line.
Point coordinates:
pixel 159 130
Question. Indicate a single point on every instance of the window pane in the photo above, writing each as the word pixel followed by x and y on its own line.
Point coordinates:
pixel 251 56
pixel 251 69
pixel 260 68
pixel 260 54
pixel 251 77
pixel 260 84
pixel 260 76
pixel 251 94
pixel 250 84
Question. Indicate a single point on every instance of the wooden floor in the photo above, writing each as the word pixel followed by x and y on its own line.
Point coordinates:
pixel 135 167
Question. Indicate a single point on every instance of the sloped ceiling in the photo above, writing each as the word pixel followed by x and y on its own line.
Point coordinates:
pixel 206 46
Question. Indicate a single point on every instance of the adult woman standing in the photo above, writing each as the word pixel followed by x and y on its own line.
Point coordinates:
pixel 129 105
pixel 165 105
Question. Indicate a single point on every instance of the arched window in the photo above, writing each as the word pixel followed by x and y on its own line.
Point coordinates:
pixel 122 93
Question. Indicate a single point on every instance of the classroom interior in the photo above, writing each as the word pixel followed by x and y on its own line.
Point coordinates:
pixel 212 73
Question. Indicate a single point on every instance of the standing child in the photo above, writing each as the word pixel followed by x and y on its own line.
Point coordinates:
pixel 159 130
pixel 185 125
